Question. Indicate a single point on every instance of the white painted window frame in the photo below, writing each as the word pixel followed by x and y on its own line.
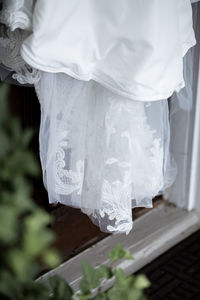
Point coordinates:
pixel 185 141
pixel 153 233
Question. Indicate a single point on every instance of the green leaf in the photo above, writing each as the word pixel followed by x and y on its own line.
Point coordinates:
pixel 127 255
pixel 22 162
pixel 34 290
pixel 60 289
pixel 92 277
pixel 84 296
pixel 8 223
pixel 104 272
pixel 51 258
pixel 19 261
pixel 141 282
pixel 10 286
pixel 134 294
pixel 124 287
pixel 37 237
pixel 119 253
pixel 101 296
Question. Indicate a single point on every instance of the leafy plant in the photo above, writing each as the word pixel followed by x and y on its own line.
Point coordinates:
pixel 125 287
pixel 25 239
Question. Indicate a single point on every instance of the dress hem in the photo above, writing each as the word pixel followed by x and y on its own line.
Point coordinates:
pixel 104 83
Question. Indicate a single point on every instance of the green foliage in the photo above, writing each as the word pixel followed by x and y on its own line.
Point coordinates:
pixel 25 239
pixel 118 253
pixel 60 289
pixel 92 277
pixel 125 287
pixel 128 287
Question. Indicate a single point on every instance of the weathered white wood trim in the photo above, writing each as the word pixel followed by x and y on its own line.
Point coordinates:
pixel 185 137
pixel 194 190
pixel 153 234
pixel 195 161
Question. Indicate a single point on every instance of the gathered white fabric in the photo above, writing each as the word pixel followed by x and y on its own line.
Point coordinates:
pixel 134 48
pixel 17 14
pixel 102 77
pixel 10 58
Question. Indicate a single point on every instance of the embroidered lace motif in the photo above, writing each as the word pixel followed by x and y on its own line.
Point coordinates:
pixel 117 195
pixel 101 152
pixel 67 181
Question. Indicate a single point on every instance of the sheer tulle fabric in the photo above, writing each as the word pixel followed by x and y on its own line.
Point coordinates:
pixel 101 152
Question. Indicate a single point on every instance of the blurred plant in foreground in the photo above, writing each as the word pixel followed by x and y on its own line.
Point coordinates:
pixel 25 239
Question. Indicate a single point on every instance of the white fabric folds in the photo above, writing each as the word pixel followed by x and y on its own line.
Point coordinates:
pixel 102 72
pixel 135 48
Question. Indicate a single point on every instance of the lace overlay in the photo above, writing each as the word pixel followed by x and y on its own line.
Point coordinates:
pixel 101 152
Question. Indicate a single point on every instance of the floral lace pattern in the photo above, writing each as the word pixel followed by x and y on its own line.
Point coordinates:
pixel 104 154
pixel 67 181
pixel 117 195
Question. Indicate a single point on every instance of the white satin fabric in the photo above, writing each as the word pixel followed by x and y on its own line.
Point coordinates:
pixel 135 48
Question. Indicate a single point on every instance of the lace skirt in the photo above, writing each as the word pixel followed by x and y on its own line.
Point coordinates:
pixel 101 152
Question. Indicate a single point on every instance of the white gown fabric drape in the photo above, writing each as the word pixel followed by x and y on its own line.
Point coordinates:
pixel 134 48
pixel 102 81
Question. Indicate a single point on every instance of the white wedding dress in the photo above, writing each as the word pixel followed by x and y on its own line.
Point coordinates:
pixel 103 73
